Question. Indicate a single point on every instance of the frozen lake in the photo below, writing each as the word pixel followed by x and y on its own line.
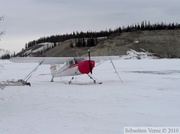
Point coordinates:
pixel 148 96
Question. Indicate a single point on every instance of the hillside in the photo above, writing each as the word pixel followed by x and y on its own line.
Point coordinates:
pixel 163 43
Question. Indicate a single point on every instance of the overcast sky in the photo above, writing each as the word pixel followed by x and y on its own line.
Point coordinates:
pixel 27 20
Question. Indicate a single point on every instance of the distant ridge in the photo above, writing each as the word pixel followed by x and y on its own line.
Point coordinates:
pixel 162 43
pixel 162 39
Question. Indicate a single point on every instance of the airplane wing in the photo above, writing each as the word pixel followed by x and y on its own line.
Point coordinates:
pixel 104 58
pixel 46 60
pixel 58 60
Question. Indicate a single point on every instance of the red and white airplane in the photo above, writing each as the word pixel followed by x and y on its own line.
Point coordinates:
pixel 75 66
pixel 72 66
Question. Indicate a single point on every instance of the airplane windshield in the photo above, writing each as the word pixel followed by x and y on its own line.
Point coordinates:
pixel 78 59
pixel 74 61
pixel 71 62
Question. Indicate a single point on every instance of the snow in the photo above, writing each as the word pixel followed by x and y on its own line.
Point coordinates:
pixel 132 54
pixel 148 96
pixel 45 46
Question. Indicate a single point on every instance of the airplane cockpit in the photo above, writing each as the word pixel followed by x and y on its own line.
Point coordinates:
pixel 74 61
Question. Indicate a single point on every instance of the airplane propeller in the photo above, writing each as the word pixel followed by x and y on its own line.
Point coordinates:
pixel 90 65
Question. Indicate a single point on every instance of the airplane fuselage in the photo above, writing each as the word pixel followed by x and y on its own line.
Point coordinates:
pixel 77 66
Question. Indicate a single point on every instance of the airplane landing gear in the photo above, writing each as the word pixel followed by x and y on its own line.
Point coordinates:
pixel 52 80
pixel 92 78
pixel 71 80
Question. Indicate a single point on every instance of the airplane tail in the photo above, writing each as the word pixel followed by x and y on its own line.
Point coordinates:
pixel 53 69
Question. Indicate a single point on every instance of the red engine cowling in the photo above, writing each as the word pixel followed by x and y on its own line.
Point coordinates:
pixel 86 66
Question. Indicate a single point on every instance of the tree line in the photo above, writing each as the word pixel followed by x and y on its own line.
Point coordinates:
pixel 84 42
pixel 148 26
pixel 6 56
pixel 88 39
pixel 75 35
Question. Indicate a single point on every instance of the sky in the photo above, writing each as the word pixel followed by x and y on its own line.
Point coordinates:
pixel 28 20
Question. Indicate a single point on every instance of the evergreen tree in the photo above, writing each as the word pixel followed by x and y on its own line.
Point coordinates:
pixel 6 56
pixel 83 43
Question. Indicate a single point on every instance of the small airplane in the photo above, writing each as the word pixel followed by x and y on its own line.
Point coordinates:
pixel 72 66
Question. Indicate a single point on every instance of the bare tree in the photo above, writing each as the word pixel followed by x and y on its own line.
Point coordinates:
pixel 1 32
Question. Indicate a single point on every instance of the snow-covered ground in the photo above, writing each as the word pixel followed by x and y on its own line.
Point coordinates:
pixel 149 96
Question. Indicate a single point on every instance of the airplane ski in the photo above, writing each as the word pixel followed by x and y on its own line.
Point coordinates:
pixel 19 82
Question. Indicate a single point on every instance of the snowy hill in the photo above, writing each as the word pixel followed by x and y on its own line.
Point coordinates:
pixel 37 49
pixel 163 43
